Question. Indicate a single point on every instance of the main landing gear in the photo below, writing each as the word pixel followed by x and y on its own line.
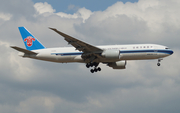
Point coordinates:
pixel 159 60
pixel 96 69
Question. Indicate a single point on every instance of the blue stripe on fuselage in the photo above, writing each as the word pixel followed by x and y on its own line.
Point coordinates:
pixel 67 54
pixel 148 51
pixel 122 51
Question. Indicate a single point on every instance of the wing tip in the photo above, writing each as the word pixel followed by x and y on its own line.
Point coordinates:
pixel 52 28
pixel 13 46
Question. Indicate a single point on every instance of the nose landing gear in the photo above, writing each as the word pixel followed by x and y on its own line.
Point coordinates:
pixel 159 60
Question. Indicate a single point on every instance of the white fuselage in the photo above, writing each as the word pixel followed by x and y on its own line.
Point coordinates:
pixel 127 52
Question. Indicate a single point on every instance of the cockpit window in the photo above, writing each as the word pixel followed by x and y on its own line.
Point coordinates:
pixel 167 48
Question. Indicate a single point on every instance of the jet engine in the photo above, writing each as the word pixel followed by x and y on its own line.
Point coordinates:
pixel 111 54
pixel 118 65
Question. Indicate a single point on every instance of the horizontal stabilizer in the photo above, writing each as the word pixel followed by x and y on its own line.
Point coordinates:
pixel 23 50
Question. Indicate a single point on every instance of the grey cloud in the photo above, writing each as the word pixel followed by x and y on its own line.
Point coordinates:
pixel 121 29
pixel 18 8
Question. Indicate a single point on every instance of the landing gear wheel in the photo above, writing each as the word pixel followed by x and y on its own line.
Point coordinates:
pixel 87 65
pixel 159 60
pixel 92 71
pixel 99 69
pixel 95 70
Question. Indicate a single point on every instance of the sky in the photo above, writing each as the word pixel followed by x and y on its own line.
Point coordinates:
pixel 29 86
pixel 69 6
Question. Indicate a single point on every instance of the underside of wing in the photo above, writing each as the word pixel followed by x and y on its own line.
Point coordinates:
pixel 78 44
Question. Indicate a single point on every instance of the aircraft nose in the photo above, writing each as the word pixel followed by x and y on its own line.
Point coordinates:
pixel 171 52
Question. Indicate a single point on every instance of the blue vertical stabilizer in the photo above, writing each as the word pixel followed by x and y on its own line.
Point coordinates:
pixel 29 40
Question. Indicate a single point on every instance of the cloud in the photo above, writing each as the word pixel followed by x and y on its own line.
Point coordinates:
pixel 145 21
pixel 40 104
pixel 5 17
pixel 81 13
pixel 44 8
pixel 28 85
pixel 73 7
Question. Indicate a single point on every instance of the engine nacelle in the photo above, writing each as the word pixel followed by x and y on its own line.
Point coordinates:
pixel 118 65
pixel 111 54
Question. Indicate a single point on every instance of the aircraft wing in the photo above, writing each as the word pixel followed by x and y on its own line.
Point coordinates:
pixel 78 44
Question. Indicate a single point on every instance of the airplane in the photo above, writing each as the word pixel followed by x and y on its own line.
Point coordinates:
pixel 115 56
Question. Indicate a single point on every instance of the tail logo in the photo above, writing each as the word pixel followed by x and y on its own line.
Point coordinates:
pixel 29 41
